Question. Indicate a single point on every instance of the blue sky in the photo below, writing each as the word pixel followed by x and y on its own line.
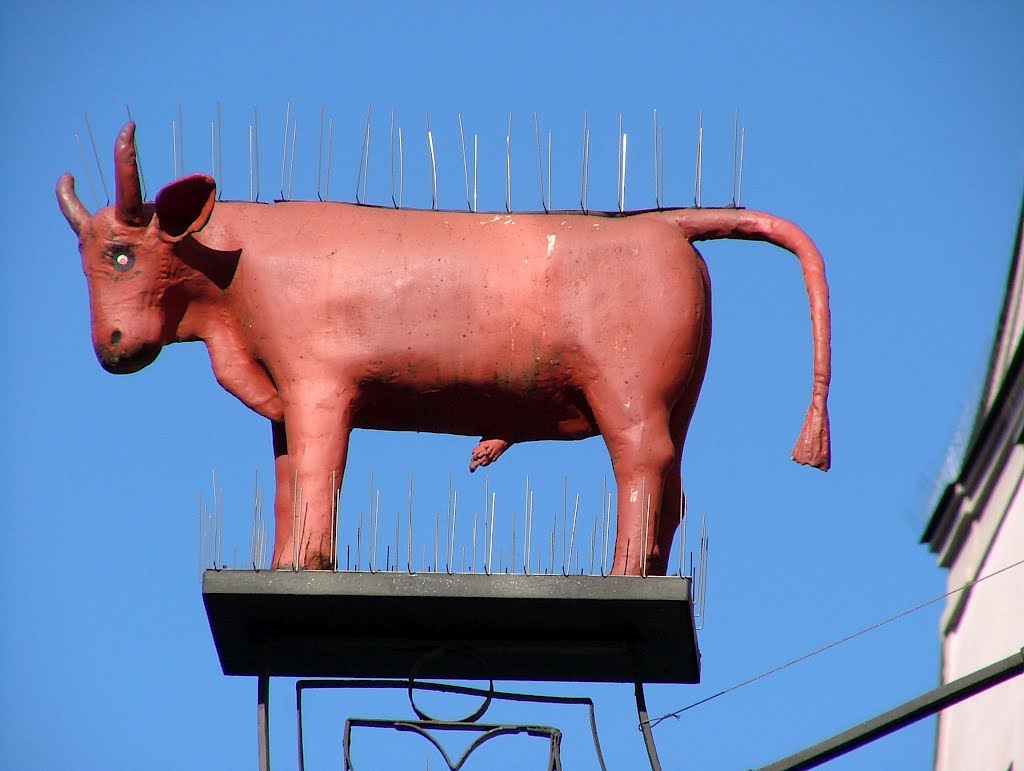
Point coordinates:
pixel 892 133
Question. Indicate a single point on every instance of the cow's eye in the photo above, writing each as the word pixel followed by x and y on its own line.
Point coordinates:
pixel 122 259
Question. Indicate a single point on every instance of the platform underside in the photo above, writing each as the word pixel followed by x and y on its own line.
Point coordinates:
pixel 461 626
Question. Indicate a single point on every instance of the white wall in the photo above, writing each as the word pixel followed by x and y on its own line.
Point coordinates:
pixel 986 732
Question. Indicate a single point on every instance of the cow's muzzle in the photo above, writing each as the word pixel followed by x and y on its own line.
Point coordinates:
pixel 120 360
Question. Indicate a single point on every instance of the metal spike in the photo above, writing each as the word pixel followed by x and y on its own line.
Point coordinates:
pixel 256 149
pixel 476 517
pixel 618 167
pixel 320 154
pixel 220 155
pixel 359 541
pixel 490 535
pixel 508 166
pixel 526 528
pixel 593 544
pixel 253 536
pixel 201 536
pixel 607 526
pixel 330 157
pixel 657 191
pixel 645 542
pixel 284 144
pixel 88 171
pixel 376 526
pixel 476 156
pixel 622 189
pixel 218 510
pixel 251 194
pixel 213 150
pixel 565 516
pixel 291 171
pixel 174 150
pixel 296 494
pixel 540 164
pixel 661 166
pixel 335 518
pixel 433 166
pixel 700 159
pixel 465 163
pixel 455 521
pixel 584 166
pixel 530 515
pixel 411 552
pixel 682 528
pixel 391 157
pixel 735 150
pixel 181 139
pixel 448 527
pixel 366 153
pixel 739 176
pixel 643 524
pixel 401 170
pixel 512 551
pixel 551 563
pixel 549 169
pixel 437 536
pixel 604 531
pixel 572 534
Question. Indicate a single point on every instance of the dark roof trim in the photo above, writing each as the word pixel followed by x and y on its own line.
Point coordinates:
pixel 989 417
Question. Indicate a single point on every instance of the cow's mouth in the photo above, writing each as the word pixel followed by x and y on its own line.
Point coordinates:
pixel 123 362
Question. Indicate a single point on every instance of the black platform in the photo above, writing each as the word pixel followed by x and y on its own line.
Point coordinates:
pixel 506 627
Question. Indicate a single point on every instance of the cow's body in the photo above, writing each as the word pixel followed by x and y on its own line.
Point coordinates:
pixel 503 335
pixel 325 317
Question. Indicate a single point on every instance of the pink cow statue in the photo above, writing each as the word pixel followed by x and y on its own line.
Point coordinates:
pixel 324 317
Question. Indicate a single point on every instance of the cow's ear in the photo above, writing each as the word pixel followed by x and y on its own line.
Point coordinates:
pixel 184 206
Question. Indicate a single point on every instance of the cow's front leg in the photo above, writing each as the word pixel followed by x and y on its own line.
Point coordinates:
pixel 310 463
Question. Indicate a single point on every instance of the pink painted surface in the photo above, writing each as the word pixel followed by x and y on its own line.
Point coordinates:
pixel 325 317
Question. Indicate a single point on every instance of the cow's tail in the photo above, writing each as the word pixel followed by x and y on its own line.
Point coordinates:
pixel 813 448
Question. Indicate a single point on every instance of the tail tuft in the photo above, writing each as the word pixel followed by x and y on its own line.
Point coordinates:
pixel 814 448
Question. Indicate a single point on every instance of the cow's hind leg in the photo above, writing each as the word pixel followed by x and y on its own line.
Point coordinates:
pixel 679 424
pixel 641 451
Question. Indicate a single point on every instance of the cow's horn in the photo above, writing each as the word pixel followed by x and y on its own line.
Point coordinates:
pixel 129 207
pixel 74 210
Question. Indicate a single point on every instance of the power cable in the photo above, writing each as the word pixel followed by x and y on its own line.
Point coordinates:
pixel 655 721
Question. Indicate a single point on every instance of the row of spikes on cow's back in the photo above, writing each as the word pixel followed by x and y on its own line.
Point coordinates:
pixel 399 143
pixel 484 536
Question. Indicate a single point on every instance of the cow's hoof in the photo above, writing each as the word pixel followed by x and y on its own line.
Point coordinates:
pixel 485 453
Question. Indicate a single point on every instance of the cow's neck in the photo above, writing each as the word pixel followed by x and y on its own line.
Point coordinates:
pixel 202 279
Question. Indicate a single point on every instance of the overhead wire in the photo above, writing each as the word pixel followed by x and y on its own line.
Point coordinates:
pixel 675 714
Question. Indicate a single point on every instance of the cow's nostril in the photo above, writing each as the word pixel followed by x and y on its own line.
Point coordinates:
pixel 115 337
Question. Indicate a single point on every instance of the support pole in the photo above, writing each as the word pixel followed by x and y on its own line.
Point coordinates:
pixel 645 726
pixel 263 719
pixel 917 709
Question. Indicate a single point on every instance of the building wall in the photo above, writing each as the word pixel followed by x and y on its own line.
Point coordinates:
pixel 977 528
pixel 986 732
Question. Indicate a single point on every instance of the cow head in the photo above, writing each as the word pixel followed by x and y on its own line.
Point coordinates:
pixel 128 256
